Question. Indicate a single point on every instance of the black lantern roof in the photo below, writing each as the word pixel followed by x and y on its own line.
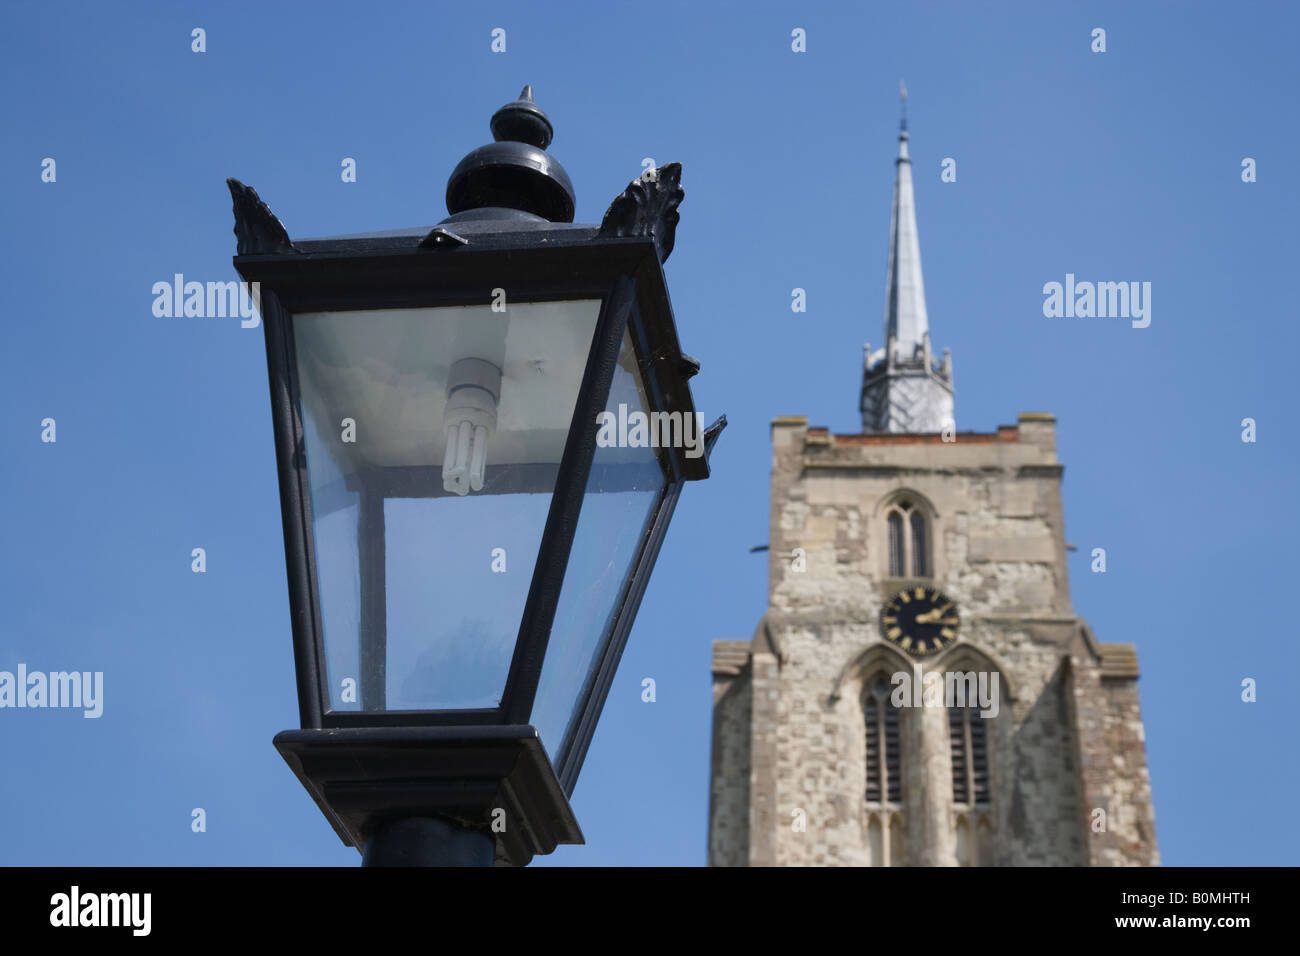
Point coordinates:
pixel 496 196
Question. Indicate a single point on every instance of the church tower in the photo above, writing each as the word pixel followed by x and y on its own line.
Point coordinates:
pixel 920 690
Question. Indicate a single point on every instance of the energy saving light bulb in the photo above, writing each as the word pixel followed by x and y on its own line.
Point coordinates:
pixel 473 389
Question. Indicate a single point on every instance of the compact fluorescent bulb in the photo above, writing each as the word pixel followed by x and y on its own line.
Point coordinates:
pixel 473 389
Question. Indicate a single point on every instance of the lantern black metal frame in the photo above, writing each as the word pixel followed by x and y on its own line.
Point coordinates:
pixel 365 767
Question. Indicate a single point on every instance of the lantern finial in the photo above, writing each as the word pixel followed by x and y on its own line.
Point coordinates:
pixel 513 177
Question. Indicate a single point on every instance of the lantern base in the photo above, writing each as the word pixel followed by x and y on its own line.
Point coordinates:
pixel 495 780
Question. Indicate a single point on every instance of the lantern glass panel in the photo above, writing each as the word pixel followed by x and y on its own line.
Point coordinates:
pixel 433 438
pixel 628 476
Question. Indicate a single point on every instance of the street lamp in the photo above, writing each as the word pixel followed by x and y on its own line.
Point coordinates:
pixel 481 433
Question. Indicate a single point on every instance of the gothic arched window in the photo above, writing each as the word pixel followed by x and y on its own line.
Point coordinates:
pixel 896 564
pixel 884 784
pixel 920 566
pixel 908 553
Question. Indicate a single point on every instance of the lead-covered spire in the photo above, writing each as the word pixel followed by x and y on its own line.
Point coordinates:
pixel 902 388
pixel 906 321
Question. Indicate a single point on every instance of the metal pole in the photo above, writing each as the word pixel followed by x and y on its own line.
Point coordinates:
pixel 427 841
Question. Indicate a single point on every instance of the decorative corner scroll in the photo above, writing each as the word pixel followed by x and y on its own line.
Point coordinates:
pixel 711 434
pixel 257 230
pixel 648 207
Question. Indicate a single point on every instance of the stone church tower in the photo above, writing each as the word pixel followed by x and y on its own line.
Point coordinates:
pixel 920 690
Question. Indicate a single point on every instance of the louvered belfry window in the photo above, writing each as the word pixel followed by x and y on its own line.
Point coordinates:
pixel 884 790
pixel 968 735
pixel 884 753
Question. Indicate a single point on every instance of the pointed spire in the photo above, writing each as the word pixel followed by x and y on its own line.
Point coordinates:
pixel 905 316
pixel 902 389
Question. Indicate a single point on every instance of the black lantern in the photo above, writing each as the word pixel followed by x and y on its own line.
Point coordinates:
pixel 481 432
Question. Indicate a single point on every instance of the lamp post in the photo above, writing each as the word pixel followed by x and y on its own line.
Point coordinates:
pixel 481 433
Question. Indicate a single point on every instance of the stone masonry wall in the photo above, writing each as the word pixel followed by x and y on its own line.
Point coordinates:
pixel 1132 816
pixel 729 773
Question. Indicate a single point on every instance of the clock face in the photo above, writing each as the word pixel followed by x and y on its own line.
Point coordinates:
pixel 920 620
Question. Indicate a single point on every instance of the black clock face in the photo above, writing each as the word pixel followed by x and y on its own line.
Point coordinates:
pixel 919 620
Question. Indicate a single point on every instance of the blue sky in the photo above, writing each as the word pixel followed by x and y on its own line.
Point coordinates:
pixel 1117 166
